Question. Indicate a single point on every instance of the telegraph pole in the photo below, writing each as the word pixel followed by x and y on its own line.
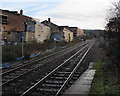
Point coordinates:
pixel 22 45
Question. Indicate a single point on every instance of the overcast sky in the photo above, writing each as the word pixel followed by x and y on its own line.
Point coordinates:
pixel 85 14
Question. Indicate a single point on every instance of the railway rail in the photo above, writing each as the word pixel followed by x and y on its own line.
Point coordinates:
pixel 61 77
pixel 35 59
pixel 12 76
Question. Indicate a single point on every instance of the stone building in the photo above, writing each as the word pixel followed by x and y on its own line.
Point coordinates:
pixel 68 35
pixel 54 29
pixel 77 32
pixel 40 33
pixel 12 25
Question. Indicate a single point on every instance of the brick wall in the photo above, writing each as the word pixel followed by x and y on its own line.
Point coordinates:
pixel 15 21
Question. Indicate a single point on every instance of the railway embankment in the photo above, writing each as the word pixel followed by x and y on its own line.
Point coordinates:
pixel 105 81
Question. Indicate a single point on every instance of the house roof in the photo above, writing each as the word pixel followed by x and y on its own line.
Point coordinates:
pixel 47 23
pixel 13 12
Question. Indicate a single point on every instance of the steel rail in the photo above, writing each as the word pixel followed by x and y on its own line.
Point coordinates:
pixel 74 70
pixel 39 59
pixel 30 70
pixel 36 84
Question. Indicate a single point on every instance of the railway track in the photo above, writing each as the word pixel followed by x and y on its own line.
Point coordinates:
pixel 35 59
pixel 61 77
pixel 24 73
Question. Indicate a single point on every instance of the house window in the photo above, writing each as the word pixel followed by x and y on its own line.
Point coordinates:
pixel 3 19
pixel 74 34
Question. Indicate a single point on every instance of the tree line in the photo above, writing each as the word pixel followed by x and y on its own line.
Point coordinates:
pixel 112 37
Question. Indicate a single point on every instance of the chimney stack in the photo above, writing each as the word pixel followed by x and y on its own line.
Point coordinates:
pixel 21 12
pixel 48 19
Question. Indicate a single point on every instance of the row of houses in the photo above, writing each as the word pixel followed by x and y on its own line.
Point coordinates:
pixel 16 27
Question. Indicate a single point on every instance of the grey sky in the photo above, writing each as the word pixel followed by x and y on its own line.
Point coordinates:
pixel 85 14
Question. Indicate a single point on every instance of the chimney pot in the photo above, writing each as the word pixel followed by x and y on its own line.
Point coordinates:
pixel 49 20
pixel 21 12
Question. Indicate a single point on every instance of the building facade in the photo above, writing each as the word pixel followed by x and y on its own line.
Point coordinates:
pixel 40 33
pixel 77 32
pixel 12 24
pixel 13 21
pixel 68 35
pixel 54 30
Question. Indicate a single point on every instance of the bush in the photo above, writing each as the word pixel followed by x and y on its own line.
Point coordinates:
pixel 11 52
pixel 8 56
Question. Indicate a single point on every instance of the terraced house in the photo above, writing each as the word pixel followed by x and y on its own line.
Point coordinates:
pixel 37 31
pixel 12 25
pixel 77 32
pixel 68 35
pixel 55 30
pixel 16 27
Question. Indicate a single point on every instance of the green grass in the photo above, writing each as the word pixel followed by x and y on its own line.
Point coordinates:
pixel 98 82
pixel 105 81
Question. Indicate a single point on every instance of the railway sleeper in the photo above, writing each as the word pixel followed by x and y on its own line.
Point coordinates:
pixel 67 68
pixel 14 74
pixel 75 78
pixel 58 78
pixel 52 85
pixel 76 75
pixel 53 82
pixel 59 75
pixel 19 80
pixel 10 76
pixel 47 89
pixel 35 66
pixel 40 94
pixel 63 72
pixel 43 93
pixel 25 69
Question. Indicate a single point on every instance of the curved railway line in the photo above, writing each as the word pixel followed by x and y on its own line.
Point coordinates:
pixel 61 65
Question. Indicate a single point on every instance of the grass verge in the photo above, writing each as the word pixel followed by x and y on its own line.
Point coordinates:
pixel 105 82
